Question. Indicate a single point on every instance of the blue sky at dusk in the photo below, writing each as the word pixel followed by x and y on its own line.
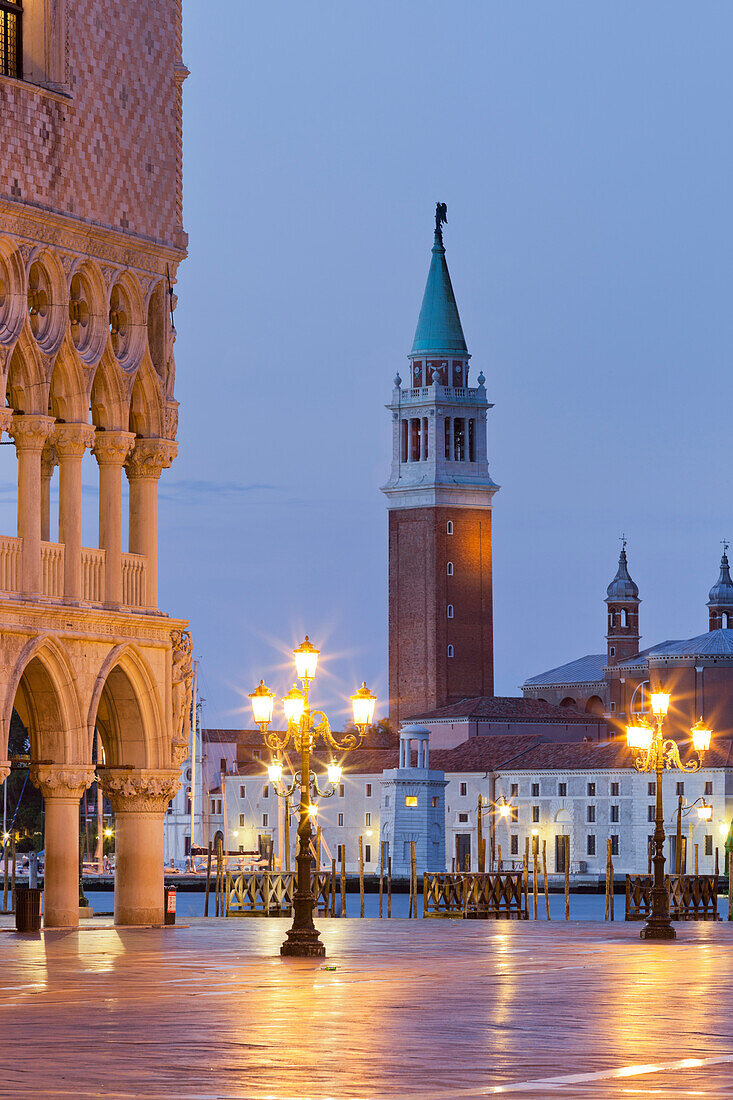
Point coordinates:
pixel 584 153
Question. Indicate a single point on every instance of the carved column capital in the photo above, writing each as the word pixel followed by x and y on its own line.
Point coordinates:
pixel 4 770
pixel 72 440
pixel 49 460
pixel 62 780
pixel 149 456
pixel 6 418
pixel 30 430
pixel 138 790
pixel 112 448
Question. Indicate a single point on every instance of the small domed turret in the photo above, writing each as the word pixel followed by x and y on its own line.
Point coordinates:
pixel 622 587
pixel 720 597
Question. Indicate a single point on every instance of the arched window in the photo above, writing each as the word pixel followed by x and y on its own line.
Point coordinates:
pixel 449 568
pixel 450 650
pixel 725 620
pixel 449 527
pixel 449 611
pixel 624 617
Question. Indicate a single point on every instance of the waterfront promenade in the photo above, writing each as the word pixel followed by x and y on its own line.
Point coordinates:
pixel 399 1009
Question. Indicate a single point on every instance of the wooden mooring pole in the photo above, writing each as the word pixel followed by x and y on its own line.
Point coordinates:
pixel 381 875
pixel 208 882
pixel 544 875
pixel 535 846
pixel 333 887
pixel 566 839
pixel 389 886
pixel 343 880
pixel 361 876
pixel 5 876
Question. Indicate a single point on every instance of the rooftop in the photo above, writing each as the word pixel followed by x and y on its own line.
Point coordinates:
pixel 584 670
pixel 439 325
pixel 507 708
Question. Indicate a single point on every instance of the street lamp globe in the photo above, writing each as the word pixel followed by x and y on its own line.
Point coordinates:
pixel 334 773
pixel 705 812
pixel 701 736
pixel 639 735
pixel 294 705
pixel 263 703
pixel 504 810
pixel 660 702
pixel 363 704
pixel 275 771
pixel 306 659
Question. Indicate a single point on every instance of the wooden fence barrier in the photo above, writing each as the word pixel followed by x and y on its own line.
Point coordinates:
pixel 691 897
pixel 270 894
pixel 474 895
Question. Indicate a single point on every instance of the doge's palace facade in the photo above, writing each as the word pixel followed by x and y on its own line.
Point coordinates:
pixel 91 237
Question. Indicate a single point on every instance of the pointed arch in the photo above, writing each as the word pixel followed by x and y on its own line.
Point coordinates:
pixel 147 411
pixel 127 710
pixel 26 386
pixel 43 689
pixel 67 397
pixel 109 396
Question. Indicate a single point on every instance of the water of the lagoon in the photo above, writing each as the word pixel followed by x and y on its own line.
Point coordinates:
pixel 582 906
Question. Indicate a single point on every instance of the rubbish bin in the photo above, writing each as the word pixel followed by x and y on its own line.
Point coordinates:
pixel 170 905
pixel 27 909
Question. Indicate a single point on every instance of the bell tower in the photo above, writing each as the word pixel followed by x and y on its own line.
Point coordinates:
pixel 622 598
pixel 439 498
pixel 720 598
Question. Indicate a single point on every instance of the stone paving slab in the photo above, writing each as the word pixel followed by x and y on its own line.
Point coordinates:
pixel 425 1009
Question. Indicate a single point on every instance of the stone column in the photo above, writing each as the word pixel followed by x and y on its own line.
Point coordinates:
pixel 110 450
pixel 139 800
pixel 147 458
pixel 49 460
pixel 30 432
pixel 70 441
pixel 61 785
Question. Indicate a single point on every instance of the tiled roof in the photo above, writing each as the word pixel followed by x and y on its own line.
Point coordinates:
pixel 505 708
pixel 479 754
pixel 231 737
pixel 584 670
pixel 570 755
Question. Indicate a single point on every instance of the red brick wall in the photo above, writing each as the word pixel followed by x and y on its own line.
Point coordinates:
pixel 109 153
pixel 421 675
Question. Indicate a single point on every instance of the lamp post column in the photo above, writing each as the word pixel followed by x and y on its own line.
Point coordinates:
pixel 303 939
pixel 659 925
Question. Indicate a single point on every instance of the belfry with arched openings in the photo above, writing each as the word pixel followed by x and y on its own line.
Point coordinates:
pixel 91 238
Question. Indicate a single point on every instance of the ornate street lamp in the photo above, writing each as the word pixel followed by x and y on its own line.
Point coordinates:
pixel 304 728
pixel 654 754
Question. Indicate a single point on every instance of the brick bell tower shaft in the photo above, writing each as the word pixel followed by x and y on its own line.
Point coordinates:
pixel 439 498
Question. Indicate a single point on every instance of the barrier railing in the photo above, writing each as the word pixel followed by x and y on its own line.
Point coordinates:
pixel 475 895
pixel 52 569
pixel 270 893
pixel 133 580
pixel 691 897
pixel 92 574
pixel 10 552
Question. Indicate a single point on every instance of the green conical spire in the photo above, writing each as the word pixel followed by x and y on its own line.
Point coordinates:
pixel 439 326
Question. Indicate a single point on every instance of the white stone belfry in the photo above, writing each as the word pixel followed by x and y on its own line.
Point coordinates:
pixel 413 806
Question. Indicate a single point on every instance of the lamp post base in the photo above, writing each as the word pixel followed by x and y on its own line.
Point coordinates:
pixel 658 931
pixel 303 943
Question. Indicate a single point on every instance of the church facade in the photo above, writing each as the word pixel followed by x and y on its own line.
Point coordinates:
pixel 696 671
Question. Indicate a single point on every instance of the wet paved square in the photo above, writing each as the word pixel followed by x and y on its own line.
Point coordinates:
pixel 428 1009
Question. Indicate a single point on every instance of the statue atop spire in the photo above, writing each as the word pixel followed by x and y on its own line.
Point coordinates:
pixel 441 219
